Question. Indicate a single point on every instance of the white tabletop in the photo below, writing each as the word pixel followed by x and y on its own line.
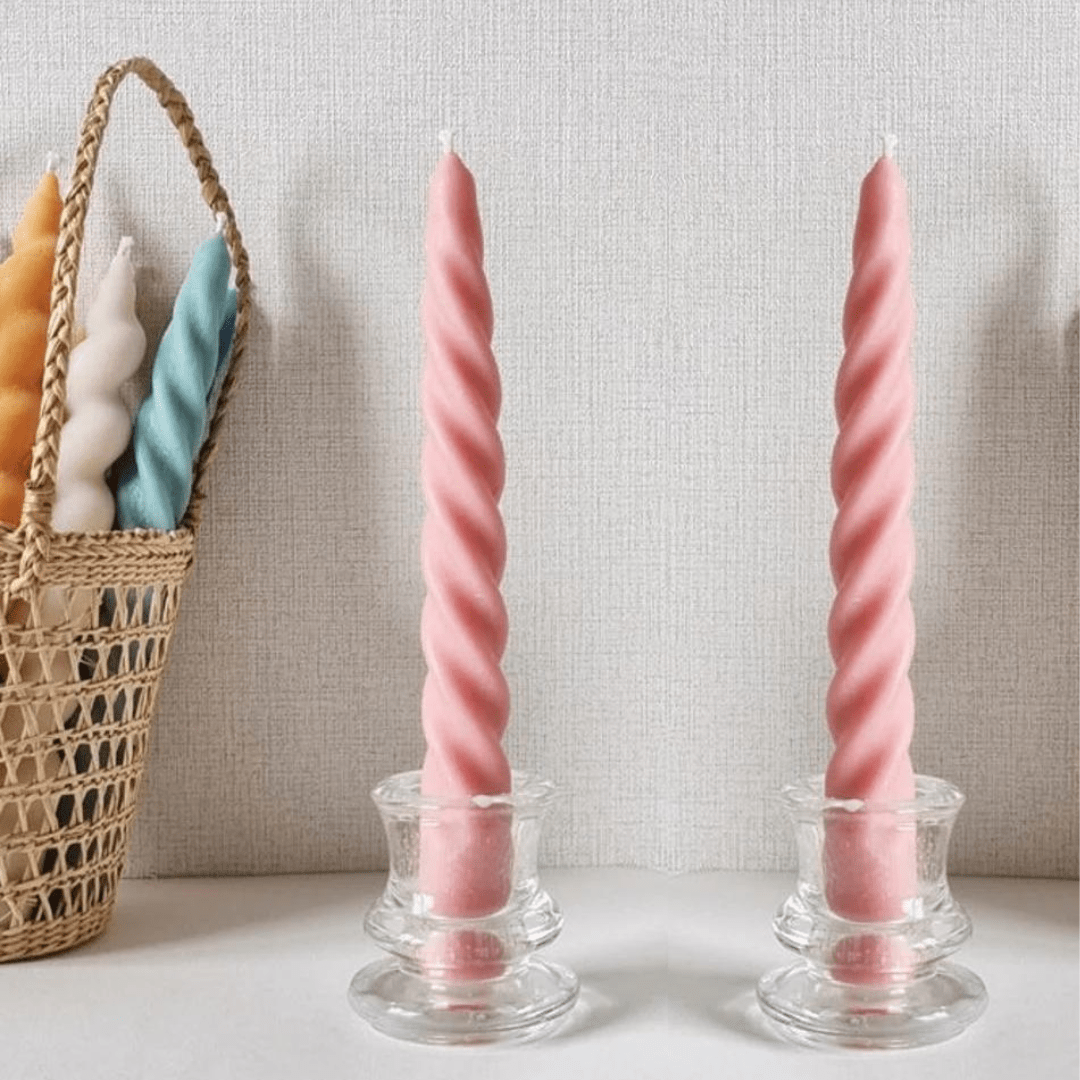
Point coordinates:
pixel 237 978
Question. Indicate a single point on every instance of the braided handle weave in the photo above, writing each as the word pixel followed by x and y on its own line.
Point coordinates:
pixel 35 528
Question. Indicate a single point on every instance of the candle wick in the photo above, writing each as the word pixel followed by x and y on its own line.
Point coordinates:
pixel 446 140
pixel 126 245
pixel 52 162
pixel 888 145
pixel 220 222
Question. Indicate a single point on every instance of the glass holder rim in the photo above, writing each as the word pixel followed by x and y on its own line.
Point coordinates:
pixel 401 791
pixel 932 794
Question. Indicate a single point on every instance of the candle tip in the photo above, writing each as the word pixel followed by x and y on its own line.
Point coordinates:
pixel 888 145
pixel 446 140
pixel 52 162
pixel 219 222
pixel 125 247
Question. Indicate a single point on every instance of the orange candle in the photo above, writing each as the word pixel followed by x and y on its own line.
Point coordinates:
pixel 25 287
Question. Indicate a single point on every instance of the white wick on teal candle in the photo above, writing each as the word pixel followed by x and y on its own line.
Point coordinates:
pixel 220 222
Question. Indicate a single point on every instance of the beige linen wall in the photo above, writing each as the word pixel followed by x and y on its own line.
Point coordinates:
pixel 668 192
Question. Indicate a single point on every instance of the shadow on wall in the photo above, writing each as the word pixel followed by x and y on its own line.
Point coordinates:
pixel 331 557
pixel 258 759
pixel 1010 626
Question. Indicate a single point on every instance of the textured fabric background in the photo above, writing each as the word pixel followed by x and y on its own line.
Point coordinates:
pixel 668 192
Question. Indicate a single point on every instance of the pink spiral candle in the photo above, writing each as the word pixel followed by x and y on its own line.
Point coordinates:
pixel 871 861
pixel 465 854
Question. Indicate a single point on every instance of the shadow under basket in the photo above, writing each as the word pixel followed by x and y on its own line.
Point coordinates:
pixel 87 619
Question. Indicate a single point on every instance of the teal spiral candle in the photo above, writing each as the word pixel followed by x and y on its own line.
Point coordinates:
pixel 154 485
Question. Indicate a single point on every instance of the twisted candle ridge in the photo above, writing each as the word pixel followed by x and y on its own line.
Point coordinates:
pixel 154 489
pixel 463 546
pixel 25 285
pixel 872 551
pixel 98 425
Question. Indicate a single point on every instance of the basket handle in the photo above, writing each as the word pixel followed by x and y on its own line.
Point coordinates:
pixel 40 493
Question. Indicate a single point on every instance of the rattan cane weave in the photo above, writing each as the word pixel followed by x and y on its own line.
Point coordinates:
pixel 74 730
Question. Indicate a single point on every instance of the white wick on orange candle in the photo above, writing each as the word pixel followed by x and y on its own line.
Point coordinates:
pixel 52 162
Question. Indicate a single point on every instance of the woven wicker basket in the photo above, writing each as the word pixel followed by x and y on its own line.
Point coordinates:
pixel 87 620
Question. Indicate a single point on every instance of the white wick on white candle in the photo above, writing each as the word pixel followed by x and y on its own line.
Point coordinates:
pixel 126 245
pixel 52 162
pixel 888 145
pixel 446 140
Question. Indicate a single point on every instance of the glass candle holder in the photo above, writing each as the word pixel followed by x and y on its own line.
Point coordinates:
pixel 461 918
pixel 882 982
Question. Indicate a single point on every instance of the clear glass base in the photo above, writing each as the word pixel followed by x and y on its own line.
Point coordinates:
pixel 462 917
pixel 525 1003
pixel 810 1007
pixel 874 923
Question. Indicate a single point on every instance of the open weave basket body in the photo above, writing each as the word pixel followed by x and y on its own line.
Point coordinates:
pixel 87 620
